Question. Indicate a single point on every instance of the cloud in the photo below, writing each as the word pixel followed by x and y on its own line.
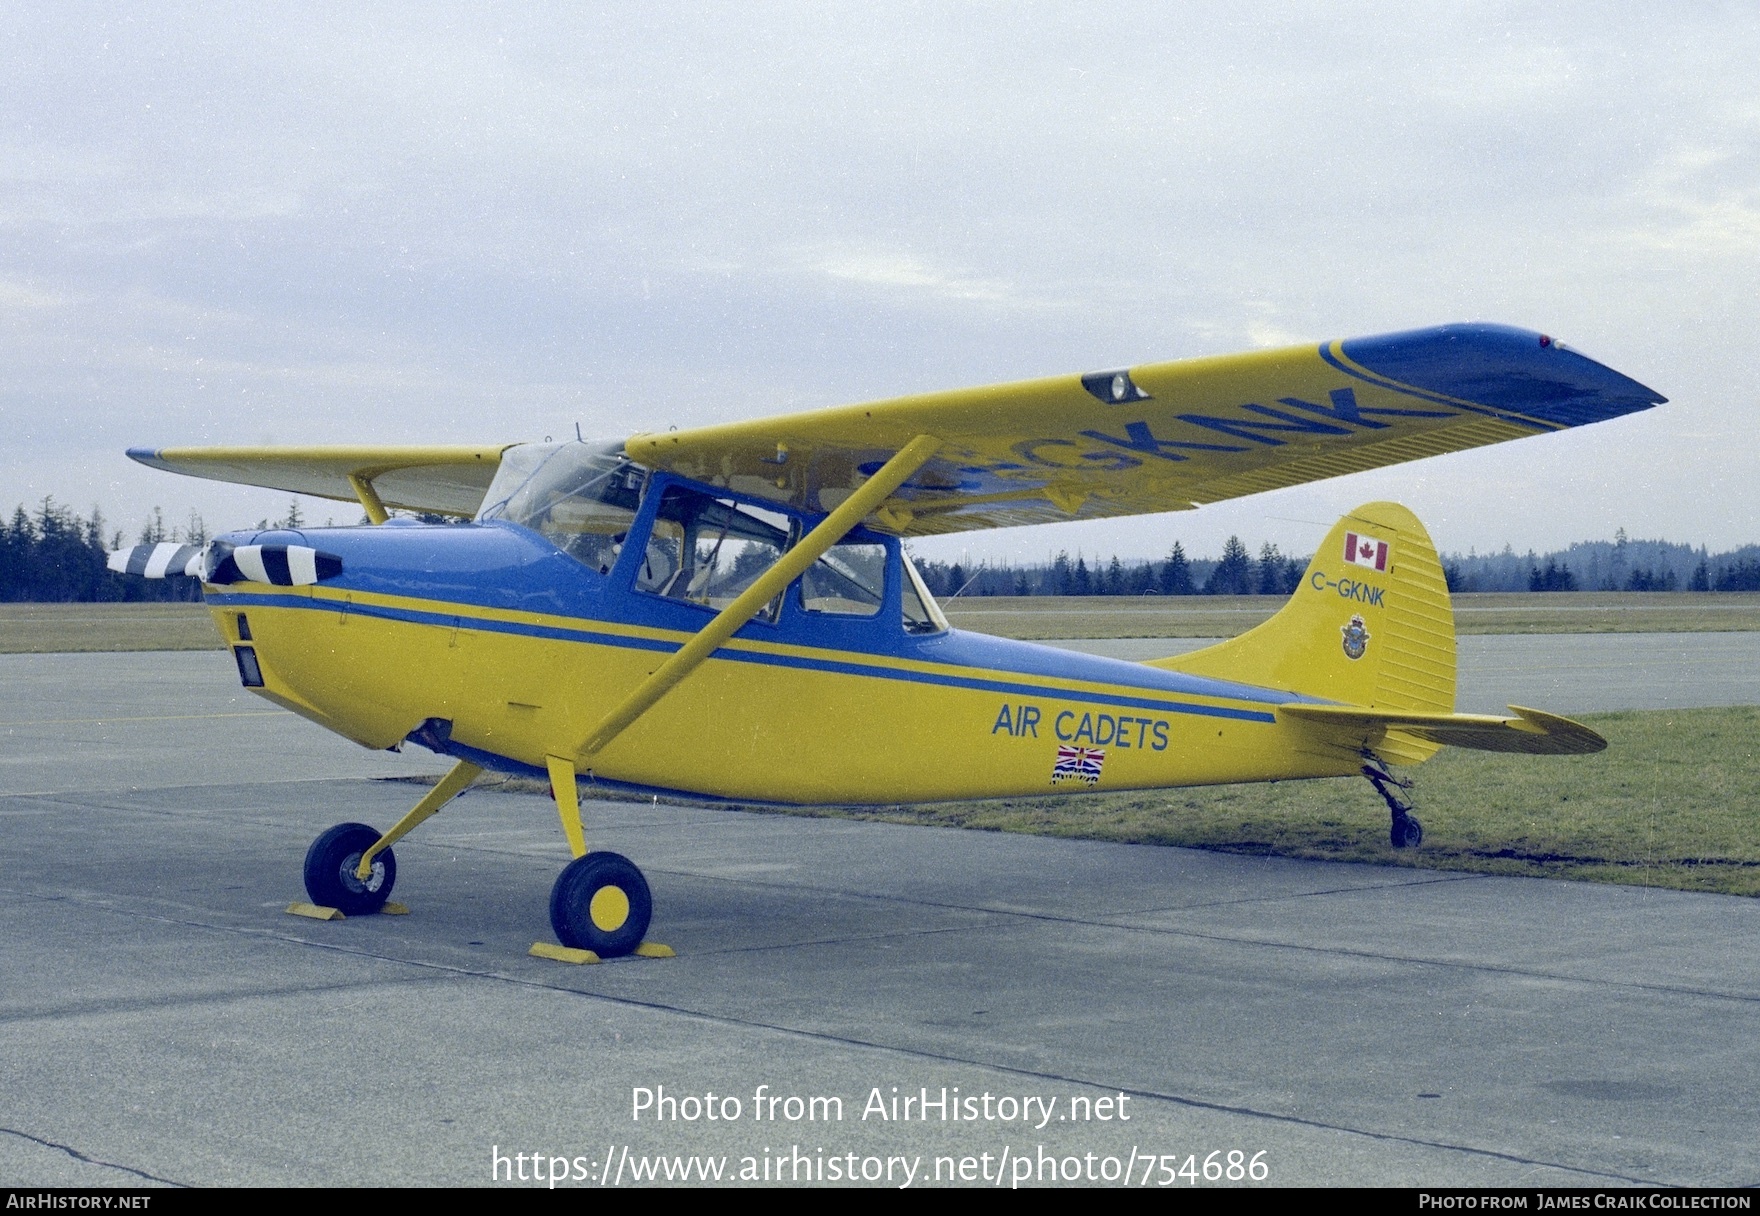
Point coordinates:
pixel 431 223
pixel 1701 200
pixel 17 294
pixel 907 273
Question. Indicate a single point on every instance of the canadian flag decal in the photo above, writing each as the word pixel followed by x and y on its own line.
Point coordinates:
pixel 1365 551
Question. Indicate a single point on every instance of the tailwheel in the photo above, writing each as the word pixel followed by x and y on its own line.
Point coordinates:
pixel 601 903
pixel 330 871
pixel 1404 832
pixel 1407 832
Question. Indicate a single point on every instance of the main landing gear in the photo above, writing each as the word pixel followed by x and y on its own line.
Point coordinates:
pixel 1405 831
pixel 600 903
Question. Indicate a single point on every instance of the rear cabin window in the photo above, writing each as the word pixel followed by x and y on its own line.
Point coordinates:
pixel 850 580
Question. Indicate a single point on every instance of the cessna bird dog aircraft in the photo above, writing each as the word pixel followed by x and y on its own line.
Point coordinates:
pixel 726 612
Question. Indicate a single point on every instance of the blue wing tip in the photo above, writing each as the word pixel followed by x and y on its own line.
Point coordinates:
pixel 1522 371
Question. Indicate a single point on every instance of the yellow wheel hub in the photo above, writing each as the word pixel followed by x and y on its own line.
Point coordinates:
pixel 609 909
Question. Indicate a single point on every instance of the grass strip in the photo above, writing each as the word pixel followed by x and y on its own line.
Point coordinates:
pixel 76 628
pixel 1670 803
pixel 61 628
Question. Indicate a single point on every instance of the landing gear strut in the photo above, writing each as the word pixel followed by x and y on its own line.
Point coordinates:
pixel 1405 832
pixel 351 867
pixel 601 901
pixel 331 871
pixel 600 906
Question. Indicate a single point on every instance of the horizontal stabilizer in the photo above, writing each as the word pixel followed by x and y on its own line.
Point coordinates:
pixel 157 561
pixel 1531 732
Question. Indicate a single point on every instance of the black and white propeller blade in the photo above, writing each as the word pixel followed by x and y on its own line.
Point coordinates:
pixel 277 565
pixel 280 565
pixel 157 561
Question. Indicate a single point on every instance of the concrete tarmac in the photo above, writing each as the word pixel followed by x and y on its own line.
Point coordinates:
pixel 163 1021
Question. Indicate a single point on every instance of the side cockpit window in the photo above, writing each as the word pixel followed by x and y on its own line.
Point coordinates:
pixel 581 497
pixel 706 550
pixel 703 548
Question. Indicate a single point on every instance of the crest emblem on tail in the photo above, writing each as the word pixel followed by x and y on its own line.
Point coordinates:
pixel 1356 638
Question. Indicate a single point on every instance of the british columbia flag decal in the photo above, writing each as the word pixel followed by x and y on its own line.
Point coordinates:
pixel 1365 551
pixel 1078 764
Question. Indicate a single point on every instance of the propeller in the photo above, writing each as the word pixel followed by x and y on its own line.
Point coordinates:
pixel 157 561
pixel 277 565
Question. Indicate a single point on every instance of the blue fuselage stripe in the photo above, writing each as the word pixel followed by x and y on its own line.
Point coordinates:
pixel 449 620
pixel 951 681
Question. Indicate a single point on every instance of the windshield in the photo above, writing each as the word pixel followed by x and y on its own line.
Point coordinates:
pixel 581 497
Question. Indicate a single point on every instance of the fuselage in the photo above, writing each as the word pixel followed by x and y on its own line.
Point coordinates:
pixel 488 641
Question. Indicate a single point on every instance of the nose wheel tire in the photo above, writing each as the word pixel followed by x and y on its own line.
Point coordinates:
pixel 330 871
pixel 601 903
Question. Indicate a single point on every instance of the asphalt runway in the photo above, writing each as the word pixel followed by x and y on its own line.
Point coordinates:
pixel 163 1021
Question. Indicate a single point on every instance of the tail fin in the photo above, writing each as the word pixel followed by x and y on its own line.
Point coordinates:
pixel 1370 624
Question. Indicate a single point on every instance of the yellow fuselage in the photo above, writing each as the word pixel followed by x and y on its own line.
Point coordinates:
pixel 945 717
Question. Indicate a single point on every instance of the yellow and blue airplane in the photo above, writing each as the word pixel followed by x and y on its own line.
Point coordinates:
pixel 727 612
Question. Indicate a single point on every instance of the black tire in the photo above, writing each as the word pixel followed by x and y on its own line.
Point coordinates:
pixel 1407 833
pixel 601 903
pixel 330 866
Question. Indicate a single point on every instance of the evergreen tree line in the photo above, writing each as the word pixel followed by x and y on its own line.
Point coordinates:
pixel 1621 564
pixel 1617 565
pixel 53 555
pixel 1236 572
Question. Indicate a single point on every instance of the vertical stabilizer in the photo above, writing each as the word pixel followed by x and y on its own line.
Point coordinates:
pixel 1370 625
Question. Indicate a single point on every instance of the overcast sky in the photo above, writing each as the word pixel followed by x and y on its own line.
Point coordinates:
pixel 414 224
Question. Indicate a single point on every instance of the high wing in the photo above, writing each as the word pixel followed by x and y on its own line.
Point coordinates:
pixel 444 480
pixel 1165 436
pixel 1159 437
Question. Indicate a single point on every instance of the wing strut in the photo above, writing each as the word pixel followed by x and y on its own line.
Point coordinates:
pixel 833 528
pixel 363 490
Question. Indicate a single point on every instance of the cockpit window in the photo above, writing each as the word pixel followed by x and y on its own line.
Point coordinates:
pixel 582 497
pixel 707 549
pixel 704 548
